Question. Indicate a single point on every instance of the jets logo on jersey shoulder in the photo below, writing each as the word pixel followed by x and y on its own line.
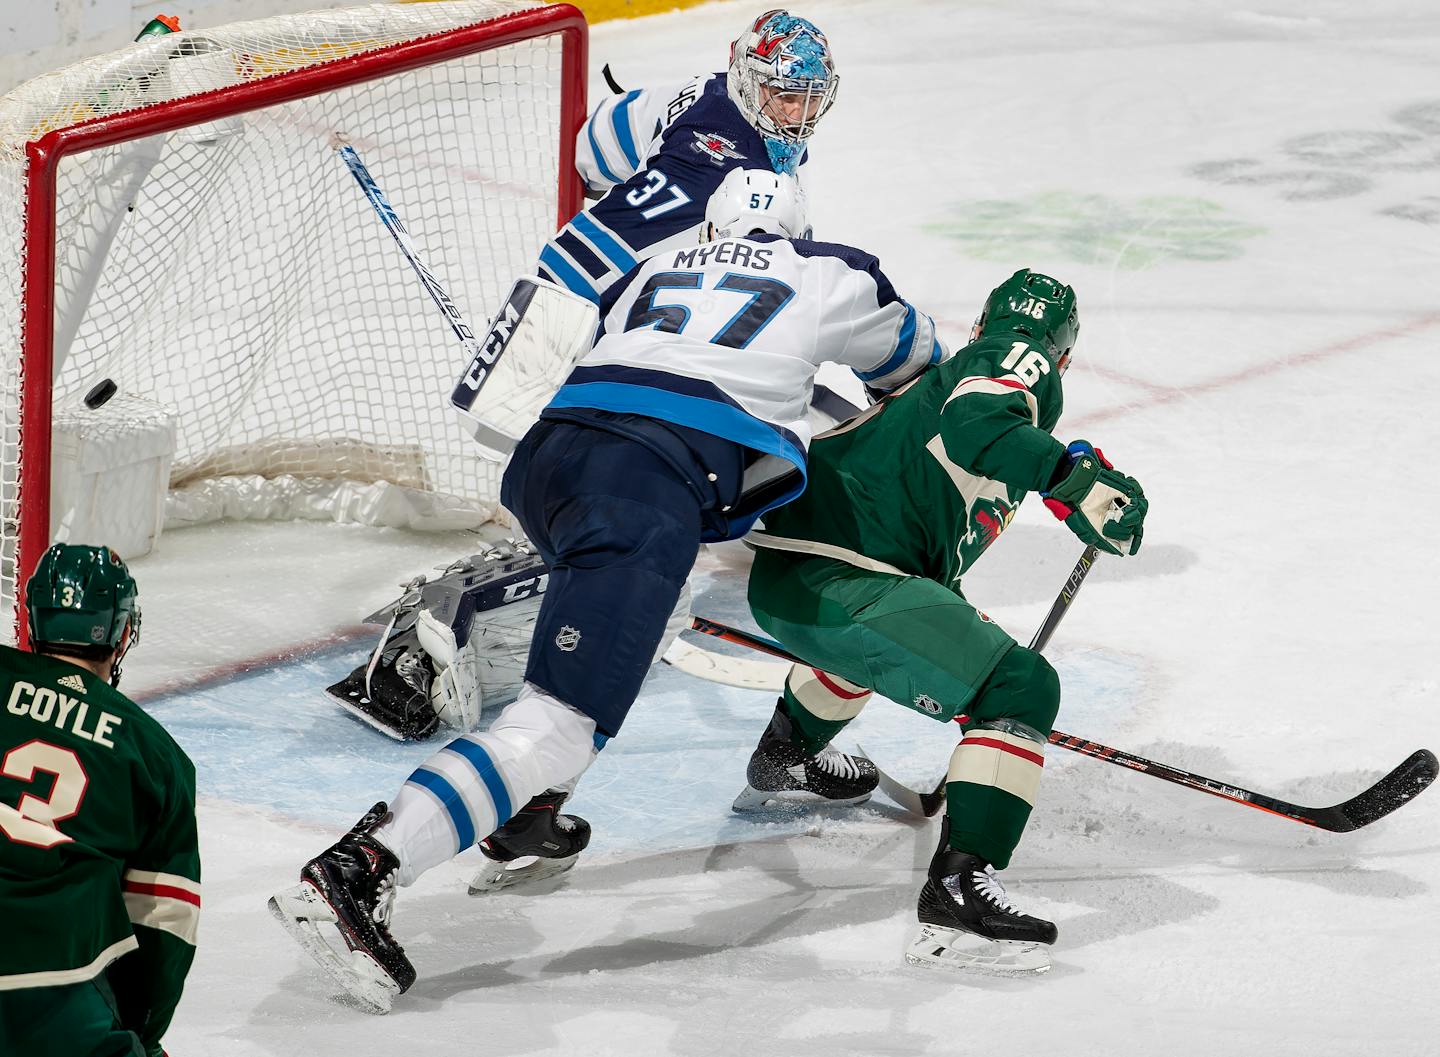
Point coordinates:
pixel 72 682
pixel 715 146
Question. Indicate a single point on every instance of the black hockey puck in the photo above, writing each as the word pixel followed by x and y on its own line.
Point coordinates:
pixel 101 393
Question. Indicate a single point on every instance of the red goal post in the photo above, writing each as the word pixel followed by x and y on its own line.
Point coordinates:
pixel 238 290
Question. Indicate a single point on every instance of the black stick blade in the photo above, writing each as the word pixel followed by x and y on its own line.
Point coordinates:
pixel 1396 789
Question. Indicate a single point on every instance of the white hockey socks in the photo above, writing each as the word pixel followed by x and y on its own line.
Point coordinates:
pixel 476 783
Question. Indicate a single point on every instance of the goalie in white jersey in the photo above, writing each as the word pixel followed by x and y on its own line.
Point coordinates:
pixel 683 424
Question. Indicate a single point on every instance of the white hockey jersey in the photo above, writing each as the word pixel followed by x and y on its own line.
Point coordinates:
pixel 726 338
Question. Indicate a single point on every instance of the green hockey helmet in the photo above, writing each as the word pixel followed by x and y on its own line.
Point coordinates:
pixel 1037 306
pixel 81 600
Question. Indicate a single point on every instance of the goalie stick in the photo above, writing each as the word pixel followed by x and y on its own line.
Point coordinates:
pixel 482 358
pixel 1393 791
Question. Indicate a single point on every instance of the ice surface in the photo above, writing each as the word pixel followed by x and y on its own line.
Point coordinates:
pixel 1246 202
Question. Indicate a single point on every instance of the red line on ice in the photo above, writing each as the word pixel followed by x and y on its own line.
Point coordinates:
pixel 1170 394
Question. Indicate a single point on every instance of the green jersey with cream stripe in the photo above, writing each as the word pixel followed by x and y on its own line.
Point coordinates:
pixel 98 852
pixel 961 446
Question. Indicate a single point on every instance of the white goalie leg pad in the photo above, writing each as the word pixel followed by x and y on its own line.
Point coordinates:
pixel 465 791
pixel 454 692
pixel 489 669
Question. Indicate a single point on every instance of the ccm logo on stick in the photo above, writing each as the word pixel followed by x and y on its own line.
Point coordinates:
pixel 499 336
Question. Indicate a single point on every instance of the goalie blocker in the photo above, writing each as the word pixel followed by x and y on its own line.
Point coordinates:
pixel 534 339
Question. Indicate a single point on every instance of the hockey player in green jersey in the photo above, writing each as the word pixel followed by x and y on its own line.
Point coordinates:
pixel 860 576
pixel 99 862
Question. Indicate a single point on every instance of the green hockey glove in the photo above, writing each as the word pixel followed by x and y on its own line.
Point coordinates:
pixel 1102 506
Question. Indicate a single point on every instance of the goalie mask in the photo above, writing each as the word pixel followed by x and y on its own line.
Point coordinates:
pixel 782 77
pixel 751 200
pixel 1037 306
pixel 81 602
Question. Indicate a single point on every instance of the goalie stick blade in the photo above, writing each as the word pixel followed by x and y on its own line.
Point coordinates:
pixel 1395 790
pixel 727 670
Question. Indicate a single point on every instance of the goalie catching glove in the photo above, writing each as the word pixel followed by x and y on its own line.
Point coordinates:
pixel 1102 506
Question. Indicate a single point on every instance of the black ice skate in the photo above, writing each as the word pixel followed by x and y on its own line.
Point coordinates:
pixel 781 771
pixel 967 922
pixel 351 885
pixel 538 842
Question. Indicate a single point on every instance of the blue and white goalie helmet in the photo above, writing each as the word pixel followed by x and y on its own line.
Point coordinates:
pixel 751 200
pixel 782 77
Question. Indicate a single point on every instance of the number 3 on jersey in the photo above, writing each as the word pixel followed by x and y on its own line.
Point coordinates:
pixel 655 182
pixel 766 297
pixel 34 822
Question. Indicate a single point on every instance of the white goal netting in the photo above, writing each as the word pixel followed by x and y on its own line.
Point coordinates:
pixel 229 276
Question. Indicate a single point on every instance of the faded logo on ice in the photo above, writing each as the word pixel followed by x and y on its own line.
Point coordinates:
pixel 1096 229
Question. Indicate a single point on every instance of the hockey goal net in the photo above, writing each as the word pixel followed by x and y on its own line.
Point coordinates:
pixel 173 219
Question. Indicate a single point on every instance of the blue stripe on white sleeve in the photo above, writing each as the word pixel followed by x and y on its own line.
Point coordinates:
pixel 916 347
pixel 605 170
pixel 620 119
pixel 904 346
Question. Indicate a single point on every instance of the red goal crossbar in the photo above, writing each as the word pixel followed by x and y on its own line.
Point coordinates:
pixel 45 153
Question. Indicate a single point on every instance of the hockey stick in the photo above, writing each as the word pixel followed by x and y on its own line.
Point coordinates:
pixel 479 358
pixel 930 803
pixel 914 801
pixel 1067 594
pixel 1394 790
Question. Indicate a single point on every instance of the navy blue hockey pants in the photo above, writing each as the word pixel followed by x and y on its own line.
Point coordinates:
pixel 618 517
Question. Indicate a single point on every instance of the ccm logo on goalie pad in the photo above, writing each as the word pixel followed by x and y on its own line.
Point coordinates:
pixel 501 330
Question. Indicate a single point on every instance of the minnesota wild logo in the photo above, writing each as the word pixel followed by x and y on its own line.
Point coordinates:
pixel 990 515
pixel 1097 229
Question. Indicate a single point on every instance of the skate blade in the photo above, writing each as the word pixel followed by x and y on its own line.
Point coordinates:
pixel 752 799
pixel 956 950
pixel 497 876
pixel 298 910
